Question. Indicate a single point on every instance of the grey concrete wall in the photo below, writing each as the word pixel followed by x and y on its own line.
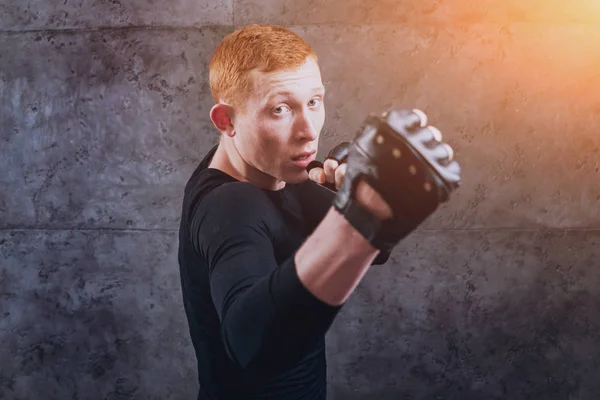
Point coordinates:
pixel 104 113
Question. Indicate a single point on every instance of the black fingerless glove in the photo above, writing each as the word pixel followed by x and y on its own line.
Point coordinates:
pixel 382 235
pixel 412 173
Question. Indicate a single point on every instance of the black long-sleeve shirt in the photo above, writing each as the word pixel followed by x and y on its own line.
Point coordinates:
pixel 257 332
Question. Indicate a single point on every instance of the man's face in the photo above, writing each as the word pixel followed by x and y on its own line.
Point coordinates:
pixel 279 132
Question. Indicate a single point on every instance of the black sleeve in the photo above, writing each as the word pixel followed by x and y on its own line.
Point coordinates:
pixel 315 201
pixel 269 319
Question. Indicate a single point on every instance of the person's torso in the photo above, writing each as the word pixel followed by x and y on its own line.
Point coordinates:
pixel 220 378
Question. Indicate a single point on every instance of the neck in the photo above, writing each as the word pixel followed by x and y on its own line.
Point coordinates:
pixel 228 160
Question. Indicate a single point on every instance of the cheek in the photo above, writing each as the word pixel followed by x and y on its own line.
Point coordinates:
pixel 267 145
pixel 271 145
pixel 319 119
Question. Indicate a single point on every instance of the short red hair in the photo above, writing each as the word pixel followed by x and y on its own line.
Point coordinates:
pixel 265 47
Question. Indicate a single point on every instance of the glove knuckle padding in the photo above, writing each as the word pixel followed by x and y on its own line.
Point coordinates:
pixel 405 170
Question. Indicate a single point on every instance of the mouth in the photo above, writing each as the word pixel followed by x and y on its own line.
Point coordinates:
pixel 304 156
pixel 302 160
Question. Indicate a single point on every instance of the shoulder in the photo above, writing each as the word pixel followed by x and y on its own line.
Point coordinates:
pixel 215 190
pixel 233 207
pixel 231 217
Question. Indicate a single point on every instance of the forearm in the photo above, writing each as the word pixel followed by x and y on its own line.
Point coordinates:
pixel 333 259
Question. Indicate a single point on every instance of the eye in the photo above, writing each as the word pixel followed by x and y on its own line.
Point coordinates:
pixel 280 109
pixel 317 101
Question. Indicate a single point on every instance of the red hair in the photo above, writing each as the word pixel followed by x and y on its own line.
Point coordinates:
pixel 257 46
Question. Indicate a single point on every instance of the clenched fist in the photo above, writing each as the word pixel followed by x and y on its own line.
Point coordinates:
pixel 394 174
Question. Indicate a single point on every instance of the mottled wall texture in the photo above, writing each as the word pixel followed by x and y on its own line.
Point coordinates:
pixel 104 114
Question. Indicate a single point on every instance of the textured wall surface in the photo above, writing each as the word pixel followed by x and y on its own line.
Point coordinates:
pixel 104 114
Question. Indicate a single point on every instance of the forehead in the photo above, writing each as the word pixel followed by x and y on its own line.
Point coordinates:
pixel 295 81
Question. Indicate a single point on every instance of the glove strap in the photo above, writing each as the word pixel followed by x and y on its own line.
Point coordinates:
pixel 363 221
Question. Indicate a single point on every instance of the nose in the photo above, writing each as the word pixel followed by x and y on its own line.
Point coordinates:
pixel 307 126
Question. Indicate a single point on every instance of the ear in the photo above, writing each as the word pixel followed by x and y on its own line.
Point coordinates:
pixel 222 117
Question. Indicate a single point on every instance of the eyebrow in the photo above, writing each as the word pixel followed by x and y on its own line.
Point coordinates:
pixel 288 93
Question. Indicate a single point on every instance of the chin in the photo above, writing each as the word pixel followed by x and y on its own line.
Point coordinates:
pixel 295 177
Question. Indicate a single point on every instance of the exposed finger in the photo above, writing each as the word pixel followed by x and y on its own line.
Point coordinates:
pixel 428 134
pixel 449 151
pixel 317 175
pixel 437 135
pixel 330 166
pixel 443 152
pixel 422 117
pixel 340 172
pixel 453 168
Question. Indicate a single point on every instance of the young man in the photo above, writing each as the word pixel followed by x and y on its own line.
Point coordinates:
pixel 266 262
